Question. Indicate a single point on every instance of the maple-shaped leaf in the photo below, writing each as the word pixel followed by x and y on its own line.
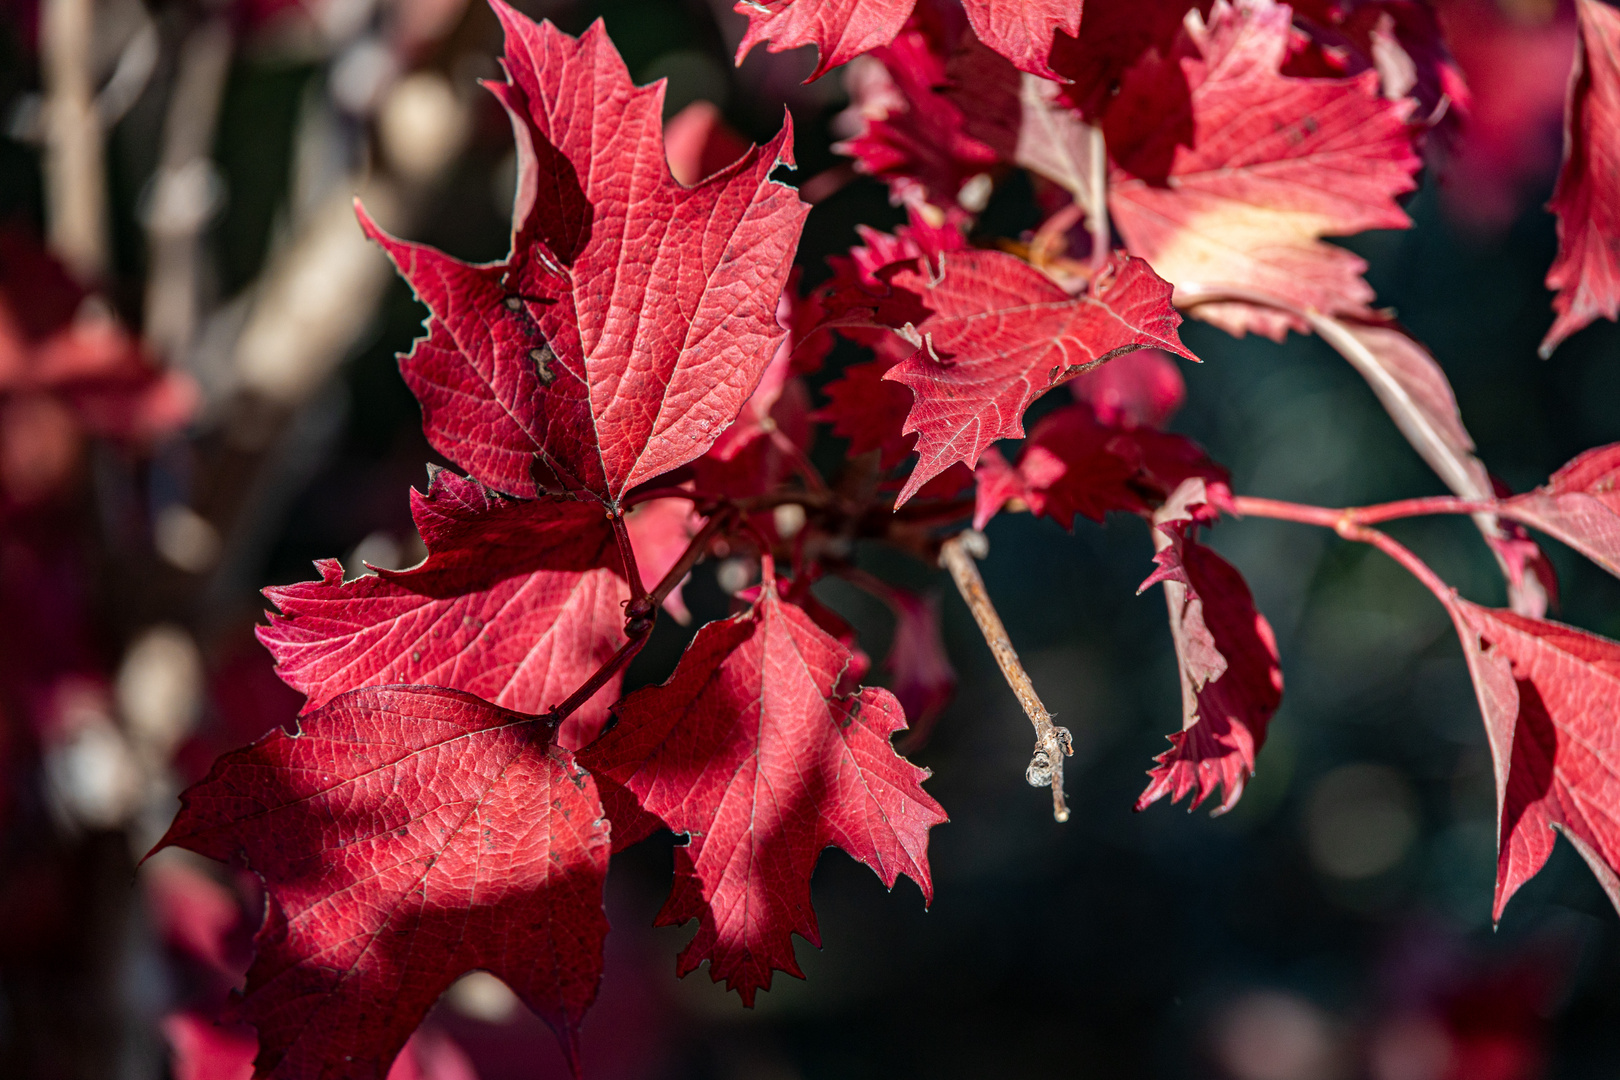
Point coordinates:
pixel 841 30
pixel 518 602
pixel 908 131
pixel 1586 273
pixel 1231 678
pixel 1228 173
pixel 634 315
pixel 1072 464
pixel 994 333
pixel 405 836
pixel 751 751
pixel 1112 38
pixel 1550 695
pixel 1579 505
pixel 1139 389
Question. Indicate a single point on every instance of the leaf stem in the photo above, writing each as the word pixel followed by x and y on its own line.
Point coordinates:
pixel 1052 743
pixel 612 667
pixel 695 550
pixel 627 555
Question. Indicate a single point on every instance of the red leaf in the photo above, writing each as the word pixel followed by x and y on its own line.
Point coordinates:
pixel 1227 173
pixel 699 142
pixel 1074 465
pixel 839 29
pixel 204 1049
pixel 1550 695
pixel 924 681
pixel 1139 389
pixel 1587 199
pixel 406 836
pixel 995 333
pixel 634 315
pixel 911 134
pixel 1231 678
pixel 868 410
pixel 1022 30
pixel 517 602
pixel 1579 505
pixel 750 750
pixel 1112 38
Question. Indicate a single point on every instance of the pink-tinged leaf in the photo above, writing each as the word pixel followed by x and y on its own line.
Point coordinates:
pixel 924 681
pixel 699 142
pixel 1579 505
pixel 908 132
pixel 1401 40
pixel 634 315
pixel 1414 390
pixel 205 1049
pixel 995 333
pixel 1228 173
pixel 1022 30
pixel 406 836
pixel 1139 389
pixel 1023 117
pixel 996 484
pixel 839 29
pixel 518 602
pixel 751 750
pixel 1231 678
pixel 1586 273
pixel 1550 695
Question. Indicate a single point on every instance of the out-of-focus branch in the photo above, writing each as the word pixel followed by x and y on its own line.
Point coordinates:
pixel 185 189
pixel 75 165
pixel 1052 743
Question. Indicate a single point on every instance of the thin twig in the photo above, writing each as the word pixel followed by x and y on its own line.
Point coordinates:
pixel 796 457
pixel 614 665
pixel 696 549
pixel 1052 743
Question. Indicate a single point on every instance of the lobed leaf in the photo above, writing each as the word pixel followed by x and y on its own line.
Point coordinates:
pixel 634 315
pixel 405 836
pixel 754 751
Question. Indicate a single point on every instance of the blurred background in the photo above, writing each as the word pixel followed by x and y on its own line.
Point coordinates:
pixel 198 395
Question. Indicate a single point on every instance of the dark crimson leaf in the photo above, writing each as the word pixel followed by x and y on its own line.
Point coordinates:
pixel 406 836
pixel 753 752
pixel 518 602
pixel 1231 679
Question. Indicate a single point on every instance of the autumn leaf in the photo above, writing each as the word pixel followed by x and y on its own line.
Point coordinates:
pixel 1020 30
pixel 1231 679
pixel 1139 389
pixel 911 134
pixel 405 836
pixel 1586 273
pixel 634 315
pixel 924 681
pixel 1072 464
pixel 995 333
pixel 1579 505
pixel 753 753
pixel 1227 173
pixel 1550 695
pixel 518 602
pixel 1112 38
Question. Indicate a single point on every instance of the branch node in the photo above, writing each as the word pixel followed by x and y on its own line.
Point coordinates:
pixel 1052 743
